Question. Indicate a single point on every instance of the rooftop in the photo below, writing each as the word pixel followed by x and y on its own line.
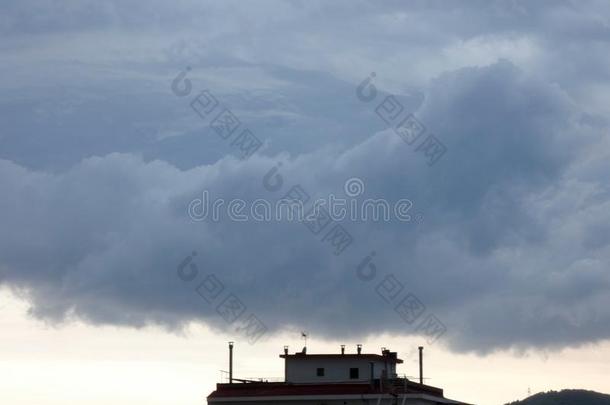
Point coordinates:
pixel 364 356
pixel 255 389
pixel 308 381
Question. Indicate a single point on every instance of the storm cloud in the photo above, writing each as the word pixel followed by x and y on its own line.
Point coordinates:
pixel 100 161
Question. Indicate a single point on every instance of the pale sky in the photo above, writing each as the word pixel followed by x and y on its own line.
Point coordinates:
pixel 483 126
pixel 80 364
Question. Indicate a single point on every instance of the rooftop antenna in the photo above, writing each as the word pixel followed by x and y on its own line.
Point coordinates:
pixel 304 337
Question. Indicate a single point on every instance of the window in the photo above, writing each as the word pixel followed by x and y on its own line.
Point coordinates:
pixel 320 371
pixel 354 373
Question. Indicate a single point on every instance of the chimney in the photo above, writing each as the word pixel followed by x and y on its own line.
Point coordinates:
pixel 286 350
pixel 359 348
pixel 230 362
pixel 342 349
pixel 421 364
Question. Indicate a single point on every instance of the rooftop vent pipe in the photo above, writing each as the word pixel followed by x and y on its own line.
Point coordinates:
pixel 342 349
pixel 359 348
pixel 230 362
pixel 421 364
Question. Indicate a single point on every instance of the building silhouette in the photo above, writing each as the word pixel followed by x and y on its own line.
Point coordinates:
pixel 331 379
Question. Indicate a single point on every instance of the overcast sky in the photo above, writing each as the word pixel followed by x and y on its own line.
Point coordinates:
pixel 101 155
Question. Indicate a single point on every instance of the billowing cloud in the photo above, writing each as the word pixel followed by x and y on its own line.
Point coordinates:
pixel 509 249
pixel 508 245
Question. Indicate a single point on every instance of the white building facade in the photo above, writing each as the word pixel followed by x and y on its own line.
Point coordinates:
pixel 328 368
pixel 332 379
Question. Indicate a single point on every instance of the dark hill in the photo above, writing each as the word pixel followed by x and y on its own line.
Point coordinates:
pixel 566 397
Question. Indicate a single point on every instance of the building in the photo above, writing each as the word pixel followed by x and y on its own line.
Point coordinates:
pixel 331 379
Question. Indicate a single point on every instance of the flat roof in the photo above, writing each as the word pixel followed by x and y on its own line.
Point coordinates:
pixel 364 356
pixel 282 389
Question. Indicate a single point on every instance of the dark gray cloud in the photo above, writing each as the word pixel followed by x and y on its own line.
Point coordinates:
pixel 100 162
